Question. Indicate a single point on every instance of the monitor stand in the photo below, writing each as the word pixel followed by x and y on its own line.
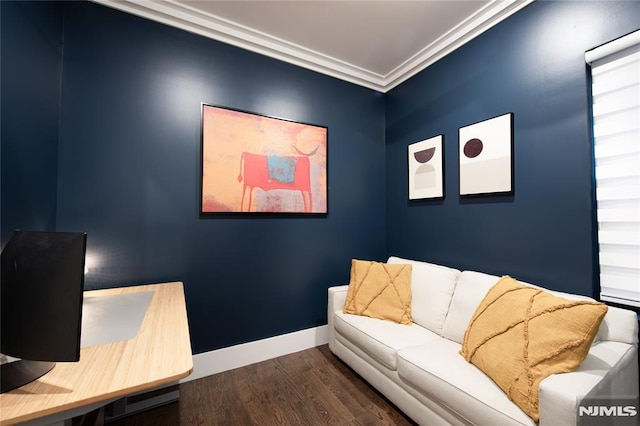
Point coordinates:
pixel 19 372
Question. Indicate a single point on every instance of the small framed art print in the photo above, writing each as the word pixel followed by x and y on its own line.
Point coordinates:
pixel 426 168
pixel 486 156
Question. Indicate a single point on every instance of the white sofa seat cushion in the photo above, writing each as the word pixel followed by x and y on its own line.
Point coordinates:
pixel 431 291
pixel 378 338
pixel 441 374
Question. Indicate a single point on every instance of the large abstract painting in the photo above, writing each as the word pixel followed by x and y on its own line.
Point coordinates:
pixel 426 176
pixel 486 162
pixel 260 164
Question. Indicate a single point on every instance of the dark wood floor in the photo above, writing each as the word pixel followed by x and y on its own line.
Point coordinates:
pixel 311 387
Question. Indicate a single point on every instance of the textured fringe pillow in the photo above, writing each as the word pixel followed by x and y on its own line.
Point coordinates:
pixel 380 290
pixel 519 335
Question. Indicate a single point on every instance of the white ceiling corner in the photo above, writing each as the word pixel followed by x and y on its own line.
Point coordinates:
pixel 375 44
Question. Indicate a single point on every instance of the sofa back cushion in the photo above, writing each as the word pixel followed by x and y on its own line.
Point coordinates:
pixel 432 287
pixel 618 325
pixel 469 292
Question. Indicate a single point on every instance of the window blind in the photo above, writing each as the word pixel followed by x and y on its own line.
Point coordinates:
pixel 615 72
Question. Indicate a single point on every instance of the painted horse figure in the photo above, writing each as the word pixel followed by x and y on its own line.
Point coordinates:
pixel 269 172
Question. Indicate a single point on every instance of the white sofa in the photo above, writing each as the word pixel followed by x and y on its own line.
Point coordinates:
pixel 420 370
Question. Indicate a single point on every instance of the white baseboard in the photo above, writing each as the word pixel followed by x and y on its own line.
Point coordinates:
pixel 213 362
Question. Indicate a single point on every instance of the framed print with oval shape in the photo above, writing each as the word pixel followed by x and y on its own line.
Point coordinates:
pixel 486 156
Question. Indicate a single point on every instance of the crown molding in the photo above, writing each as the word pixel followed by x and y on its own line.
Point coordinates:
pixel 181 16
pixel 487 17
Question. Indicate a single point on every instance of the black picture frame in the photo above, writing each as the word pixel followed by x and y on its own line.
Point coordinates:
pixel 425 164
pixel 254 163
pixel 486 157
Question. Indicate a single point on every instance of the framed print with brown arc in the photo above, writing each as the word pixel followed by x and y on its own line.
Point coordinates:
pixel 426 168
pixel 254 163
pixel 486 156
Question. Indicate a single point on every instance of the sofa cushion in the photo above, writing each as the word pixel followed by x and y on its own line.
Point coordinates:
pixel 431 291
pixel 469 292
pixel 380 290
pixel 619 325
pixel 533 334
pixel 442 375
pixel 378 338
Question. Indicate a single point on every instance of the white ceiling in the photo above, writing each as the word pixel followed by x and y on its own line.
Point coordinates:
pixel 376 44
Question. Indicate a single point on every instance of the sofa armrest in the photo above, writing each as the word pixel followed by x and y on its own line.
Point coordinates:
pixel 609 371
pixel 619 325
pixel 337 299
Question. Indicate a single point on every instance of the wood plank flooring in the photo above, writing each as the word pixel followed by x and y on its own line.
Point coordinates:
pixel 311 387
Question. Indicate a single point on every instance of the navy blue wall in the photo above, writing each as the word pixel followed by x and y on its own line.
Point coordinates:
pixel 31 66
pixel 124 156
pixel 533 65
pixel 129 160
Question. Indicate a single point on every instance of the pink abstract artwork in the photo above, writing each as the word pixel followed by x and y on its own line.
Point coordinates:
pixel 259 164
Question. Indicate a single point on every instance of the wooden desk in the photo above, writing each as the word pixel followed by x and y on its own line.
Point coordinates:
pixel 158 355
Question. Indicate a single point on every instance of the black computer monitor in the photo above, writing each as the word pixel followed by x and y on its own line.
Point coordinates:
pixel 41 294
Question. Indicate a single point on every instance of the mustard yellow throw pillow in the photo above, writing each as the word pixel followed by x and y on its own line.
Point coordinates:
pixel 519 335
pixel 380 290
